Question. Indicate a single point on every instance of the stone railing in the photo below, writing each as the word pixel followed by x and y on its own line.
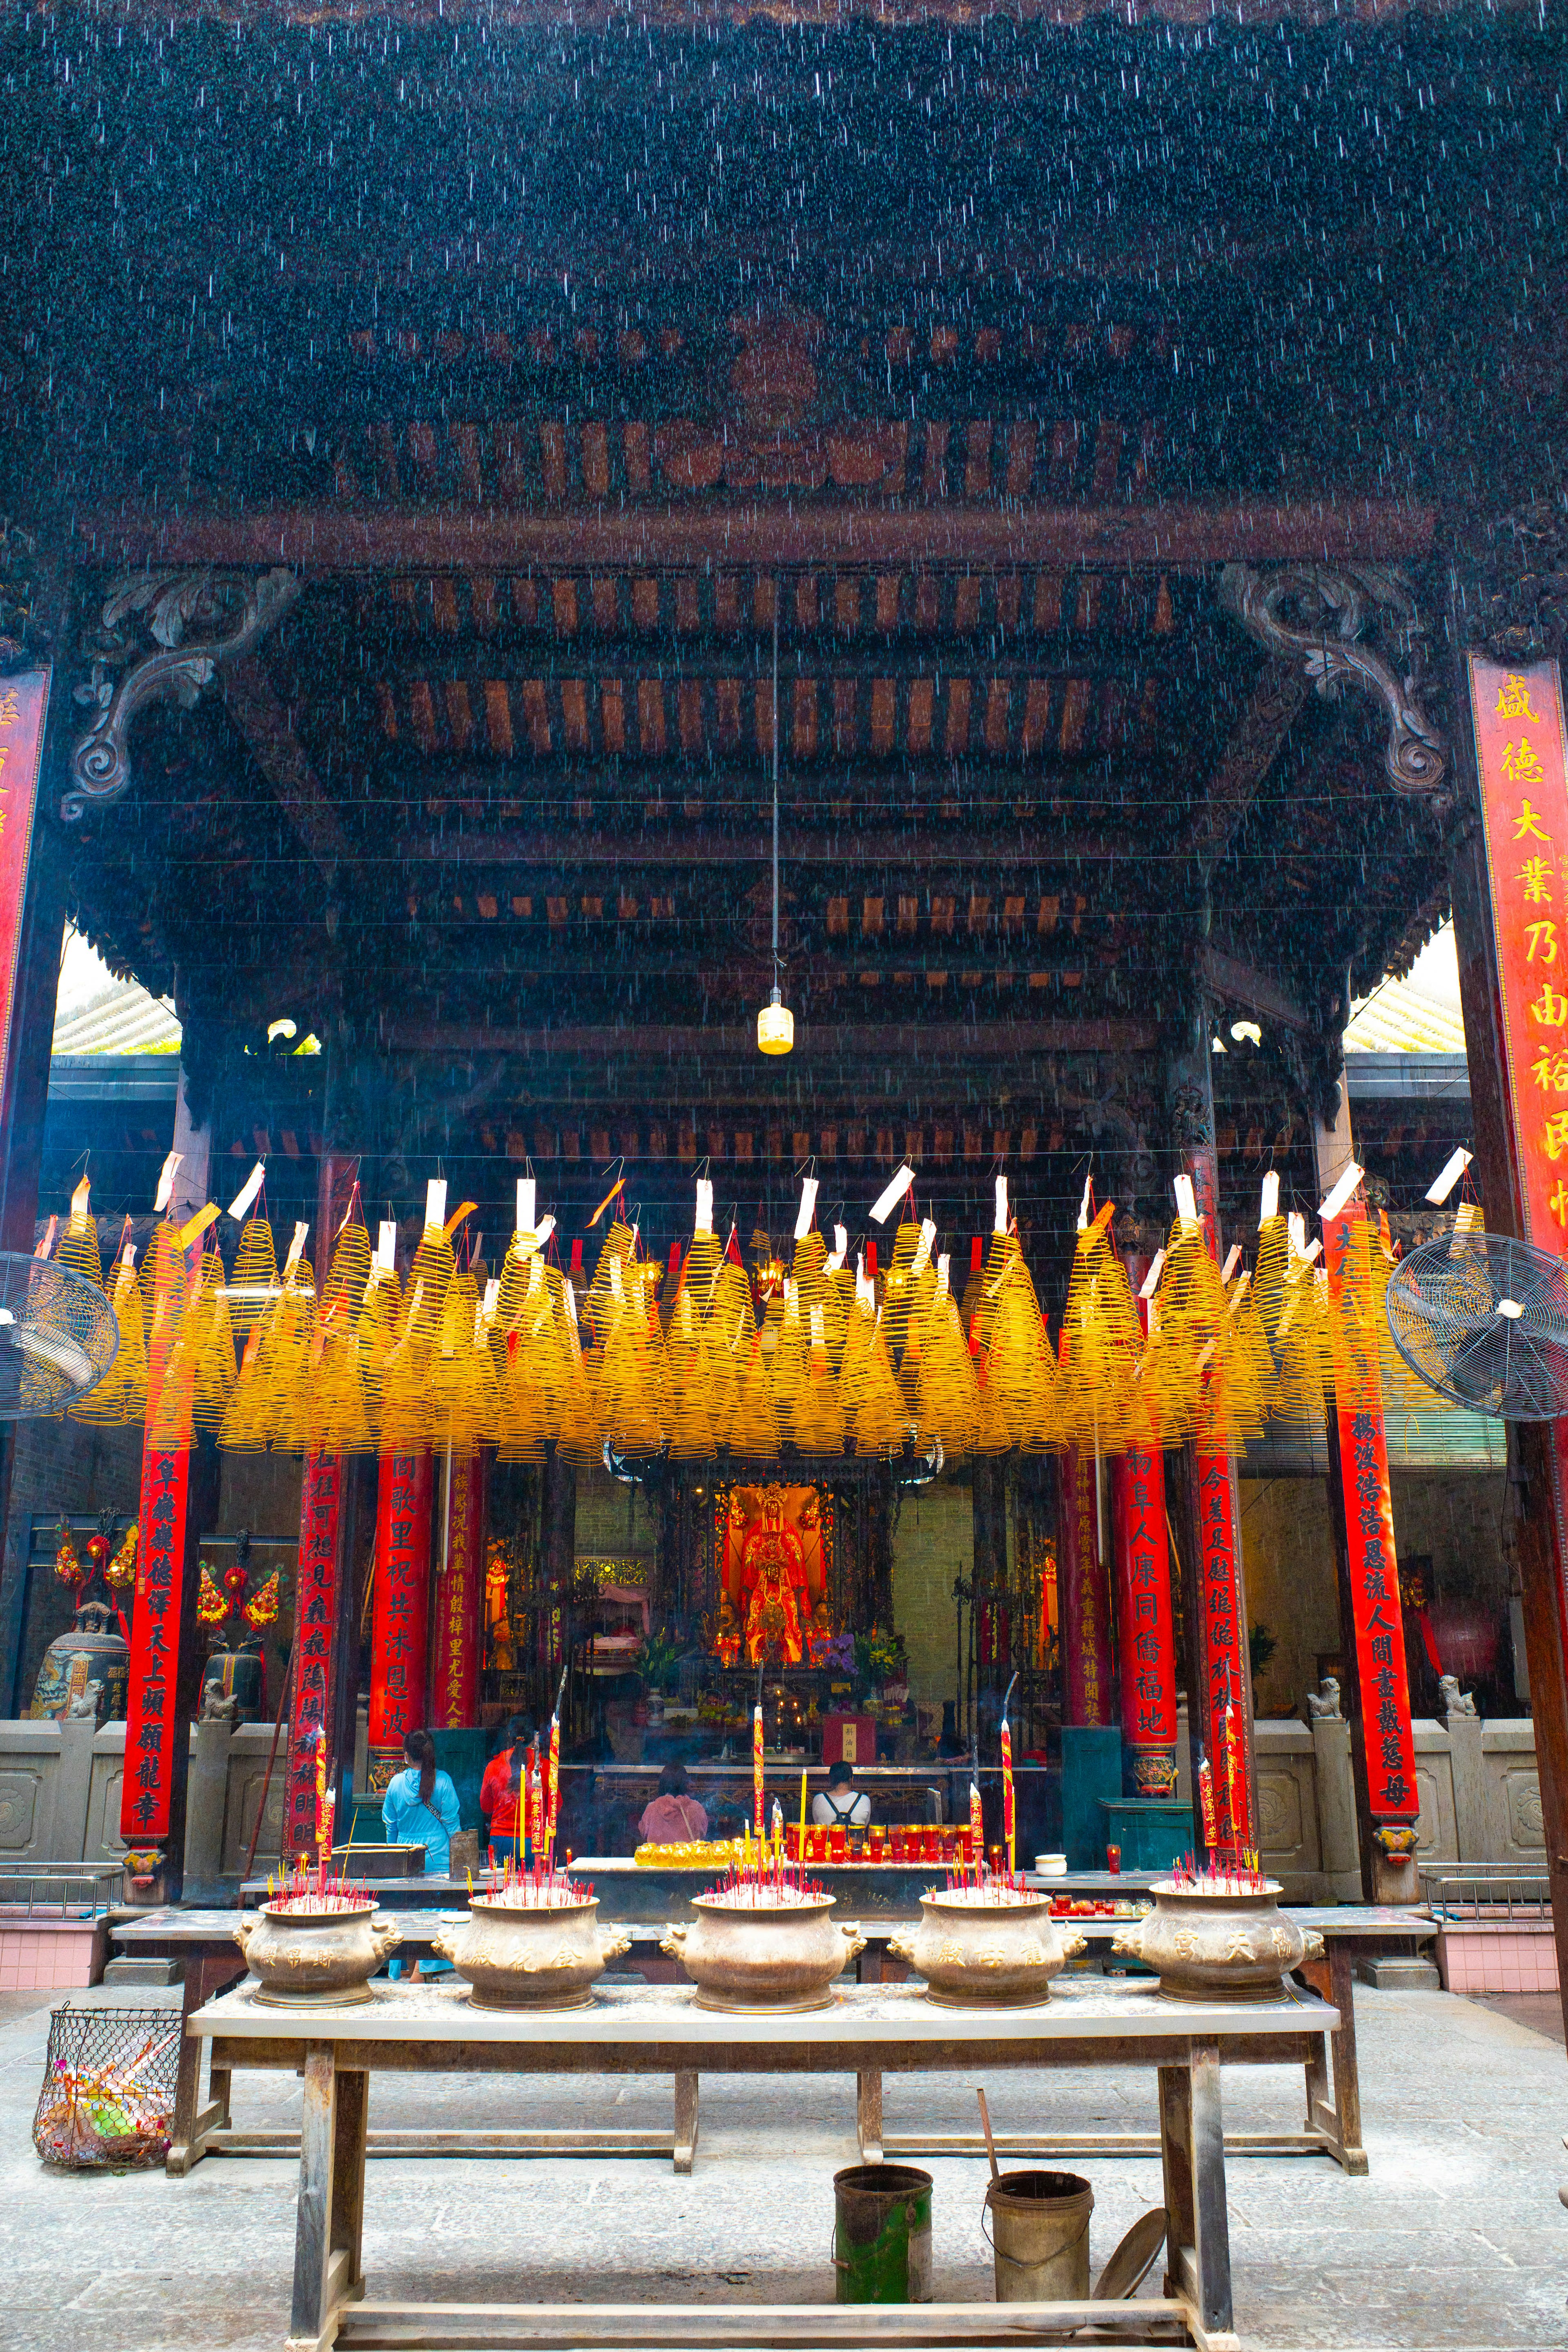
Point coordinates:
pixel 1481 1797
pixel 60 1796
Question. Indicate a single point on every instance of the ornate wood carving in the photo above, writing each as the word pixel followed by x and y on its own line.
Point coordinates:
pixel 1318 614
pixel 1514 604
pixel 231 611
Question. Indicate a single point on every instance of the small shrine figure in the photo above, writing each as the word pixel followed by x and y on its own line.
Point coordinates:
pixel 772 1567
pixel 819 1632
pixel 727 1642
pixel 498 1619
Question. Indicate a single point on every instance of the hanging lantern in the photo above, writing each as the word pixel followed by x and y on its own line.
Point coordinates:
pixel 776 1026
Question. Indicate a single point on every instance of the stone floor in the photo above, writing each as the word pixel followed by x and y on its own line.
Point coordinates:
pixel 1458 2239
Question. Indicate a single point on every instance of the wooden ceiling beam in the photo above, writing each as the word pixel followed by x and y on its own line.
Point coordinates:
pixel 876 1043
pixel 256 711
pixel 324 541
pixel 1025 848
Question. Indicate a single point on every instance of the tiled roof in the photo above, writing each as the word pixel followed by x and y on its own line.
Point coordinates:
pixel 96 1014
pixel 1417 1015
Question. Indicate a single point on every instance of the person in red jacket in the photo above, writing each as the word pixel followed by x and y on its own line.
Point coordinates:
pixel 503 1798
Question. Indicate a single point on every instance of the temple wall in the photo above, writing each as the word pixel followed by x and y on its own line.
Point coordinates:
pixel 1288 1551
pixel 932 1544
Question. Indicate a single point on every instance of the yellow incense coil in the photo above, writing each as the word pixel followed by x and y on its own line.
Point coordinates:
pixel 754 1428
pixel 882 1421
pixel 690 1428
pixel 1100 1349
pixel 376 1335
pixel 253 1280
pixel 633 1385
pixel 120 1397
pixel 947 1396
pixel 784 1347
pixel 211 1341
pixel 816 1421
pixel 615 1291
pixel 78 1250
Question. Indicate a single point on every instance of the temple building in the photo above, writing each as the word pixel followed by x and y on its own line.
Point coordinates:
pixel 531 546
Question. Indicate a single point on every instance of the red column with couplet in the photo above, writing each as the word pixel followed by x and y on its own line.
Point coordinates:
pixel 1084 1595
pixel 152 1726
pixel 399 1619
pixel 455 1678
pixel 315 1622
pixel 1146 1637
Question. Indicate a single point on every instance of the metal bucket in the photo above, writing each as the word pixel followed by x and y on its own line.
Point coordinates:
pixel 881 2233
pixel 1041 2242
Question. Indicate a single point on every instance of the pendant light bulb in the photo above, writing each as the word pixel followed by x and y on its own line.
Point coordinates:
pixel 776 1022
pixel 776 1026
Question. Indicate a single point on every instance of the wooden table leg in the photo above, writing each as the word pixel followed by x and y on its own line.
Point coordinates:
pixel 183 2149
pixel 685 2121
pixel 348 2177
pixel 868 2114
pixel 205 1974
pixel 1211 2241
pixel 1347 2136
pixel 319 2266
pixel 1176 2156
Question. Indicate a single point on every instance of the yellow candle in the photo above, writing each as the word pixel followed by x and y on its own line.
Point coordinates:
pixel 802 1854
pixel 757 1769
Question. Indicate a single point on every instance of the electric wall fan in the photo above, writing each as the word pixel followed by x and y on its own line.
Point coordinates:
pixel 1484 1320
pixel 58 1337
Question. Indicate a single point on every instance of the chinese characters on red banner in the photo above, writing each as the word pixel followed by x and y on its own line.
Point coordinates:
pixel 1143 1607
pixel 1524 805
pixel 457 1665
pixel 397 1641
pixel 150 1726
pixel 24 707
pixel 1224 1656
pixel 1381 1678
pixel 1085 1598
pixel 315 1618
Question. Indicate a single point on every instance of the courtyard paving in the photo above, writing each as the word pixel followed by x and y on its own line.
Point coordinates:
pixel 1457 2239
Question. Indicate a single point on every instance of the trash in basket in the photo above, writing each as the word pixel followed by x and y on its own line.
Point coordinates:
pixel 108 2099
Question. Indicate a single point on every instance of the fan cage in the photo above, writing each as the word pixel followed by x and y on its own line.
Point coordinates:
pixel 58 1337
pixel 1483 1320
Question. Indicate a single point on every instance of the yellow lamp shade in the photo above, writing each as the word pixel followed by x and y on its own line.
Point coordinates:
pixel 776 1027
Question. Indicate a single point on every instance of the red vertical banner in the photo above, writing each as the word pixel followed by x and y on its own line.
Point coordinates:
pixel 398 1646
pixel 1383 1680
pixel 456 1677
pixel 1084 1594
pixel 1145 1622
pixel 1521 768
pixel 1225 1662
pixel 315 1621
pixel 151 1730
pixel 24 709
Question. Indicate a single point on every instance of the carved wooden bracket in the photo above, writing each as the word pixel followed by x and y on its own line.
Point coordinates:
pixel 230 610
pixel 1318 614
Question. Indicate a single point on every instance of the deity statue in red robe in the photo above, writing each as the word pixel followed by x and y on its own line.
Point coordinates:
pixel 773 1574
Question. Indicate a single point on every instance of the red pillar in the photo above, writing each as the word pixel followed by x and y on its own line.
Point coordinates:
pixel 1145 1622
pixel 312 1676
pixel 400 1617
pixel 1517 1035
pixel 459 1592
pixel 1084 1593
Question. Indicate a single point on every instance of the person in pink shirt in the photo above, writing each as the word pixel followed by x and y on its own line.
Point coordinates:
pixel 673 1817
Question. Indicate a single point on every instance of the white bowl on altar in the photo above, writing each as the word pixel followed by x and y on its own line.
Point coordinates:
pixel 1051 1865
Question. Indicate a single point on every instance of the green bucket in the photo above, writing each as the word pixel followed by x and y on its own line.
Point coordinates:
pixel 881 2233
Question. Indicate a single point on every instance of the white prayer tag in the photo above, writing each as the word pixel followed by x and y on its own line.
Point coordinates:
pixel 247 1190
pixel 166 1180
pixel 436 1200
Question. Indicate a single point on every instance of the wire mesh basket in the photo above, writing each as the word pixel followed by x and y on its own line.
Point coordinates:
pixel 108 2099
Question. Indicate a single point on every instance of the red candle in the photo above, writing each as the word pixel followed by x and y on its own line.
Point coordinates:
pixel 757 1769
pixel 1009 1830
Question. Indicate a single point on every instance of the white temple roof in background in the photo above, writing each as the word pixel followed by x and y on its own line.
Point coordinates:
pixel 1417 1015
pixel 96 1014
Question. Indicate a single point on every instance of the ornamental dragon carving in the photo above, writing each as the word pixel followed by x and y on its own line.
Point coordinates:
pixel 1318 614
pixel 230 611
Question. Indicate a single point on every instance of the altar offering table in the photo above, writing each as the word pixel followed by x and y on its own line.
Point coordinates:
pixel 867 2031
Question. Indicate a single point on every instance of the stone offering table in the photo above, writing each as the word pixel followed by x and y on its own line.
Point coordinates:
pixel 869 2032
